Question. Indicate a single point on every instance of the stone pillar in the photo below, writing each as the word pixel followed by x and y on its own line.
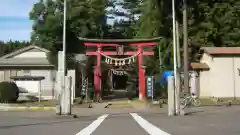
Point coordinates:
pixel 68 94
pixel 171 95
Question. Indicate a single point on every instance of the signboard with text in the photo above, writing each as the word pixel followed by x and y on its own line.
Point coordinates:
pixel 149 82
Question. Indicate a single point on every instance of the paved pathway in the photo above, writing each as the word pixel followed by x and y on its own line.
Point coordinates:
pixel 217 121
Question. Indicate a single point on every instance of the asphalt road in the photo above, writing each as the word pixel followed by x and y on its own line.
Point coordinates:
pixel 207 121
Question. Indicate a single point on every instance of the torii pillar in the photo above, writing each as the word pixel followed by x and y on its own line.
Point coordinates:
pixel 141 68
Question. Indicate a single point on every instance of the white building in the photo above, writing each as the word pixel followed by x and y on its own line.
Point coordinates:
pixel 218 72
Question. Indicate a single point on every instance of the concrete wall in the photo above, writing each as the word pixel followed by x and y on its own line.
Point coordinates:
pixel 222 78
pixel 236 74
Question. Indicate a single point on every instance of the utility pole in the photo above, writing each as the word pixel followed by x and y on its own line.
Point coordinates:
pixel 177 96
pixel 178 46
pixel 185 47
pixel 174 54
pixel 65 103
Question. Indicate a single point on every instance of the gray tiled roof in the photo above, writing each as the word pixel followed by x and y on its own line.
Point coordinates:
pixel 23 50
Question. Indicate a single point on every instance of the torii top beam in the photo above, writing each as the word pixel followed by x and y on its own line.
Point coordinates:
pixel 116 41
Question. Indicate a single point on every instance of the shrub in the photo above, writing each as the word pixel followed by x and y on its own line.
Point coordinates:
pixel 9 92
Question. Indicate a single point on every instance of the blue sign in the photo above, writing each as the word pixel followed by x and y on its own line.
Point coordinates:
pixel 149 86
pixel 165 75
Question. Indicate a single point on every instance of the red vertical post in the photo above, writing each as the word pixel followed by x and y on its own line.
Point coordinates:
pixel 97 75
pixel 141 75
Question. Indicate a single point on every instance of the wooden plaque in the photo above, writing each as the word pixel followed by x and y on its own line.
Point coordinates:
pixel 120 50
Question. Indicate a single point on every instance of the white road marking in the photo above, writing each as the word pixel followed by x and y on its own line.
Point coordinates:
pixel 148 127
pixel 93 126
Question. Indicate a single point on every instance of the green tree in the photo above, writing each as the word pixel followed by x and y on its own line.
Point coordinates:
pixel 155 20
pixel 11 46
pixel 210 23
pixel 216 23
pixel 84 19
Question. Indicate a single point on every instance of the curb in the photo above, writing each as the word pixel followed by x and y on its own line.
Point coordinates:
pixel 24 108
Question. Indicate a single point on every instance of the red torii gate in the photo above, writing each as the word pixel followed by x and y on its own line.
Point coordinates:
pixel 141 69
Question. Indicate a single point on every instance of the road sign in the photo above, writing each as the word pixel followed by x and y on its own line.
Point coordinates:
pixel 149 86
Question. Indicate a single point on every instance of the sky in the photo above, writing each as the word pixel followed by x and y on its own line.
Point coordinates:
pixel 14 20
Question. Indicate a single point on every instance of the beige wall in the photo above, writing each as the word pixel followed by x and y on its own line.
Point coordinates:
pixel 204 79
pixel 236 75
pixel 222 78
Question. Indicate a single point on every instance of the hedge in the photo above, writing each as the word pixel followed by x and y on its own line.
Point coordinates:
pixel 9 92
